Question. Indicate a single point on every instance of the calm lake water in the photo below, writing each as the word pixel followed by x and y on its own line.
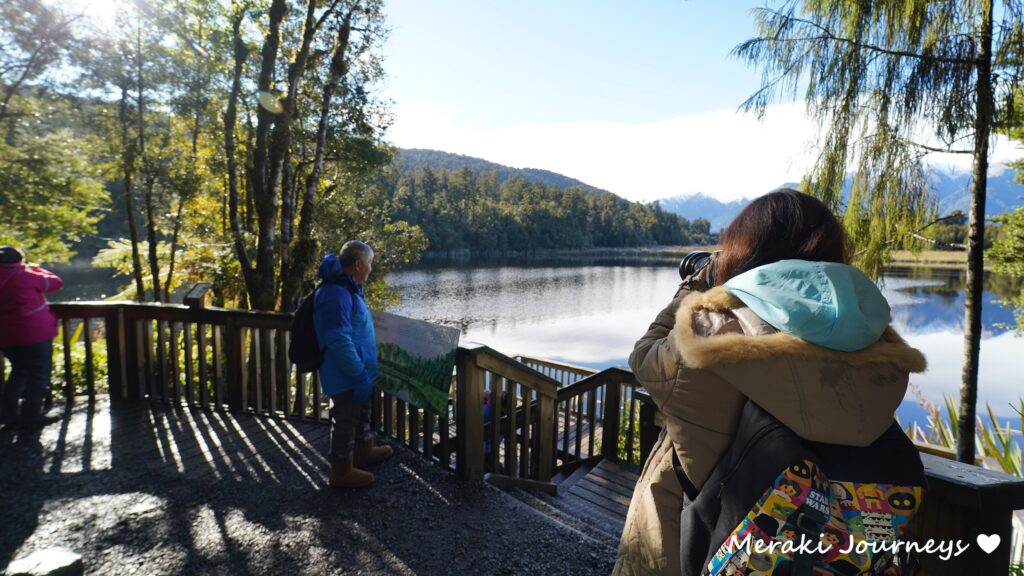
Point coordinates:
pixel 590 312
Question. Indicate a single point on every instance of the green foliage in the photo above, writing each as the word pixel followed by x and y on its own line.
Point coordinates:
pixel 1007 254
pixel 1007 250
pixel 993 441
pixel 50 193
pixel 624 439
pixel 889 82
pixel 33 37
pixel 79 365
pixel 460 210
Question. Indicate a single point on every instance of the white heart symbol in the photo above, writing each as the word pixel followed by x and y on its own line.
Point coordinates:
pixel 988 542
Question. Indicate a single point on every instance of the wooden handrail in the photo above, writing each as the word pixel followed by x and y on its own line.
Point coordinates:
pixel 608 375
pixel 173 313
pixel 477 364
pixel 498 363
pixel 554 364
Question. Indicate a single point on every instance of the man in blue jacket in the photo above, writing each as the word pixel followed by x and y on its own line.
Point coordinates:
pixel 344 327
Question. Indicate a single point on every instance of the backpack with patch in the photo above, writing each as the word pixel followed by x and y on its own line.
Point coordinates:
pixel 304 349
pixel 827 509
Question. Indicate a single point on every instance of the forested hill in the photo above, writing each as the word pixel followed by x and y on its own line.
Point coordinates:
pixel 415 158
pixel 465 209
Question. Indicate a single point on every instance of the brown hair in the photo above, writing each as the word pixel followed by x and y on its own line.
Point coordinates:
pixel 781 225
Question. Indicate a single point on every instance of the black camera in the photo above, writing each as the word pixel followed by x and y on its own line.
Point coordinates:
pixel 694 263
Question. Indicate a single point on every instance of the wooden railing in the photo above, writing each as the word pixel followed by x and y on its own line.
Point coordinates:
pixel 564 374
pixel 214 359
pixel 517 442
pixel 597 413
pixel 217 359
pixel 598 416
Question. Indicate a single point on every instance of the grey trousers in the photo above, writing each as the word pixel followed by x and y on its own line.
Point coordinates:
pixel 350 423
pixel 29 379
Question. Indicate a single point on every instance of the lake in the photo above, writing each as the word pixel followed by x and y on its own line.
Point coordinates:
pixel 591 311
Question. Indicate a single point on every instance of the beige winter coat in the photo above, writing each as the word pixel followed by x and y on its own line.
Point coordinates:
pixel 703 355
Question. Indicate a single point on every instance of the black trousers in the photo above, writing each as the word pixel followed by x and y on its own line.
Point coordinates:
pixel 350 423
pixel 29 379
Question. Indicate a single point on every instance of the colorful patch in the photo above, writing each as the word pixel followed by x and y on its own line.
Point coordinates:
pixel 804 511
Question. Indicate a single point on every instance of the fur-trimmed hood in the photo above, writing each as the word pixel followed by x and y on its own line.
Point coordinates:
pixel 707 350
pixel 822 394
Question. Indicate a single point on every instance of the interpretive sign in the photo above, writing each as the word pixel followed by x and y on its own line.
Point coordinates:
pixel 416 359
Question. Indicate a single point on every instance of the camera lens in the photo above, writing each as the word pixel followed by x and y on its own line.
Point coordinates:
pixel 693 263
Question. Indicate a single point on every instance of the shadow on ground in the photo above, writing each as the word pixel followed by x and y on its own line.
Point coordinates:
pixel 144 491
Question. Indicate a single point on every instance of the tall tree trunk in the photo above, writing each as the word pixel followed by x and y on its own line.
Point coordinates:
pixel 976 242
pixel 281 139
pixel 265 177
pixel 241 52
pixel 174 242
pixel 196 87
pixel 128 171
pixel 148 175
pixel 154 264
pixel 305 247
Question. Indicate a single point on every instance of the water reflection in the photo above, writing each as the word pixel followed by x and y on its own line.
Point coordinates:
pixel 592 312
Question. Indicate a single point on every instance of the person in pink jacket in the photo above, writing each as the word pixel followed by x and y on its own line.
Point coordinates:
pixel 27 329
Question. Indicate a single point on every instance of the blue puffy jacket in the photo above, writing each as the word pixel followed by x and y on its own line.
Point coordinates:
pixel 345 327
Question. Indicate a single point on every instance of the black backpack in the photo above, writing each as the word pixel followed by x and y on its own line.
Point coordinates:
pixel 304 349
pixel 825 492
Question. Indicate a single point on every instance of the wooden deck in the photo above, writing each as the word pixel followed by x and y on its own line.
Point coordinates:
pixel 185 490
pixel 202 445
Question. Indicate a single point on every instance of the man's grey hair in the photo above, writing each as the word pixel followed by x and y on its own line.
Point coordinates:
pixel 354 251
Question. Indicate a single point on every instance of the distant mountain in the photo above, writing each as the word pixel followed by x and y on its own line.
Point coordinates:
pixel 952 188
pixel 413 159
pixel 693 206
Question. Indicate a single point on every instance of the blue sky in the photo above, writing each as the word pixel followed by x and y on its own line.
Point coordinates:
pixel 497 64
pixel 637 98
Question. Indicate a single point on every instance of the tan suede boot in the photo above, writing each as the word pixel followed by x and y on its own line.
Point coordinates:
pixel 366 454
pixel 344 475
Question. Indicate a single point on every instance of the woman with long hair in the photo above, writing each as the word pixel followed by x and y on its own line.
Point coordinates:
pixel 785 322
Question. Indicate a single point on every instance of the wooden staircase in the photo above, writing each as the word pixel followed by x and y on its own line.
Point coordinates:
pixel 592 499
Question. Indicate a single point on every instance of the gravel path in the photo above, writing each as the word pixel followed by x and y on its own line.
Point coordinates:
pixel 139 518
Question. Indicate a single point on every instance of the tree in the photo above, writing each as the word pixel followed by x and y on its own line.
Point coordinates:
pixel 317 113
pixel 49 187
pixel 33 37
pixel 50 194
pixel 1007 255
pixel 880 75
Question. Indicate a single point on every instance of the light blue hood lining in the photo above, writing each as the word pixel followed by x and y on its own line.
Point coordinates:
pixel 829 304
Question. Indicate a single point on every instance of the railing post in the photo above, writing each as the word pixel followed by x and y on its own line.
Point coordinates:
pixel 69 385
pixel 610 420
pixel 116 352
pixel 545 436
pixel 648 429
pixel 236 380
pixel 961 503
pixel 469 416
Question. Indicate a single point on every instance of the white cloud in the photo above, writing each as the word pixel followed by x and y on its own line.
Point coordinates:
pixel 724 153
